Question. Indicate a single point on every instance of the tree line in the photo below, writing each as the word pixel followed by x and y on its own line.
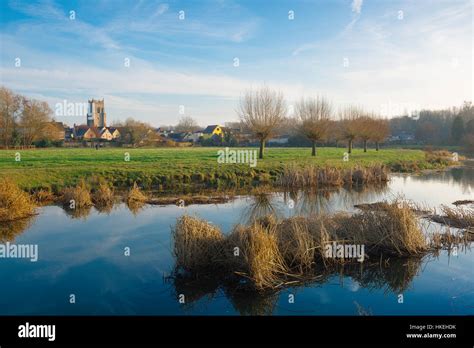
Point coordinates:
pixel 453 126
pixel 265 114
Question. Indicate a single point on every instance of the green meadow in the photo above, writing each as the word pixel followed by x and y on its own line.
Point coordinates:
pixel 156 168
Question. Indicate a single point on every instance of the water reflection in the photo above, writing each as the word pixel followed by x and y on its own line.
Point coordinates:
pixel 105 208
pixel 261 204
pixel 309 202
pixel 462 177
pixel 393 275
pixel 78 213
pixel 257 304
pixel 135 207
pixel 10 230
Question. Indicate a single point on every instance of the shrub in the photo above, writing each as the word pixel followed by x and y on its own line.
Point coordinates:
pixel 14 202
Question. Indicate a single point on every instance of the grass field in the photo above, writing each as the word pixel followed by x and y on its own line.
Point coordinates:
pixel 56 168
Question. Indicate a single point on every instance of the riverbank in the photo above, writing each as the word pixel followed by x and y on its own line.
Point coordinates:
pixel 184 170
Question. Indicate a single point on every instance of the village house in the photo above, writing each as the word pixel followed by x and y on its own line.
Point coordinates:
pixel 105 134
pixel 164 132
pixel 115 132
pixel 194 136
pixel 84 132
pixel 213 130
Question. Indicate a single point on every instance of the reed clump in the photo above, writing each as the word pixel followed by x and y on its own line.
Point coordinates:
pixel 253 252
pixel 296 243
pixel 269 253
pixel 77 197
pixel 136 195
pixel 460 217
pixel 368 175
pixel 295 176
pixel 43 196
pixel 442 157
pixel 198 245
pixel 449 240
pixel 103 196
pixel 14 202
pixel 392 228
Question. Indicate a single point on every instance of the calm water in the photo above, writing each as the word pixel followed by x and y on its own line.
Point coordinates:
pixel 85 257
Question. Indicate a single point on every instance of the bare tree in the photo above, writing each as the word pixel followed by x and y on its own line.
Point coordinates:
pixel 262 111
pixel 314 115
pixel 187 124
pixel 365 127
pixel 381 130
pixel 349 127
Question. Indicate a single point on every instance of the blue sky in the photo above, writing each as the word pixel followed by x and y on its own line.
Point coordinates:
pixel 386 55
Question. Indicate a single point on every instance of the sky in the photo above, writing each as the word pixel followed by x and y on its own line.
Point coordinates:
pixel 157 61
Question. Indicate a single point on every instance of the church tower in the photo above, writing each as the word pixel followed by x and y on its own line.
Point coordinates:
pixel 96 116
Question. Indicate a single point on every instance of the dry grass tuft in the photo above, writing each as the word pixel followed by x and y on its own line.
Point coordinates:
pixel 197 244
pixel 14 202
pixel 393 228
pixel 295 176
pixel 449 240
pixel 43 196
pixel 258 257
pixel 103 196
pixel 136 199
pixel 442 157
pixel 79 196
pixel 368 175
pixel 296 243
pixel 459 217
pixel 136 195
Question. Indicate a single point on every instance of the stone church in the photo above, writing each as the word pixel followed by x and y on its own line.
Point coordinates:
pixel 96 127
pixel 96 116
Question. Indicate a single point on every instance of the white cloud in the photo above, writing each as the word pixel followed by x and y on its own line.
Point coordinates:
pixel 356 5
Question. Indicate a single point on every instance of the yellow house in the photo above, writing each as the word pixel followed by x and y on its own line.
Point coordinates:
pixel 115 132
pixel 105 134
pixel 213 130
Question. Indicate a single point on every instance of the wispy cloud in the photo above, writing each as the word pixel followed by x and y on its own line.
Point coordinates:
pixel 189 61
pixel 356 5
pixel 45 9
pixel 160 10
